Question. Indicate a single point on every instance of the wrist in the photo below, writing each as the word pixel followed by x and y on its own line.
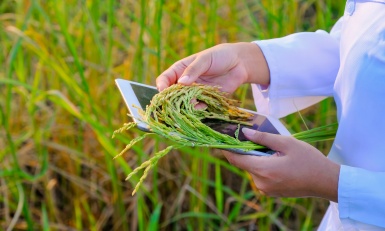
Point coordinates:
pixel 255 64
pixel 327 186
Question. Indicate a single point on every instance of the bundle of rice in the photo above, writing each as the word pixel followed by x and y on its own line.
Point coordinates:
pixel 173 114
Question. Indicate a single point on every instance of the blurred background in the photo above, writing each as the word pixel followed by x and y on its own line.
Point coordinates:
pixel 59 106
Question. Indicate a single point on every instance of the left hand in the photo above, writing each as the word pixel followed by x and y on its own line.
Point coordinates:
pixel 296 170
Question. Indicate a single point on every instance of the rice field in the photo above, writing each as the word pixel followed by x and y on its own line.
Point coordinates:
pixel 59 107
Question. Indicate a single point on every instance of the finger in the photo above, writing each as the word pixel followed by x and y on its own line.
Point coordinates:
pixel 272 141
pixel 163 82
pixel 171 75
pixel 198 67
pixel 278 154
pixel 245 162
pixel 198 105
pixel 256 182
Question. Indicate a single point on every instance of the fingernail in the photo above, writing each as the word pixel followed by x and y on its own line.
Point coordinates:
pixel 248 131
pixel 184 79
pixel 161 87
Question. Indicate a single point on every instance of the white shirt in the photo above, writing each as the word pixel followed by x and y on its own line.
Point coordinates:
pixel 348 64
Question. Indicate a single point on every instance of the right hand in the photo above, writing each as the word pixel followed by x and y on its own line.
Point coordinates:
pixel 296 170
pixel 226 65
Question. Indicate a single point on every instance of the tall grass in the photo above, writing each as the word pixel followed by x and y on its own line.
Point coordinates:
pixel 59 106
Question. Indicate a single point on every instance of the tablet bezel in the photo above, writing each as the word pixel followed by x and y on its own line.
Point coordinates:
pixel 132 101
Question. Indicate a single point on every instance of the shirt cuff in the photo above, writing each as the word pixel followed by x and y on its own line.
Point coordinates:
pixel 361 195
pixel 345 189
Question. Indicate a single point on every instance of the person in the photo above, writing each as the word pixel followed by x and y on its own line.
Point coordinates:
pixel 293 72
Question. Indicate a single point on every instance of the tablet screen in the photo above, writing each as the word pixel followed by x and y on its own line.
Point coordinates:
pixel 144 94
pixel 259 122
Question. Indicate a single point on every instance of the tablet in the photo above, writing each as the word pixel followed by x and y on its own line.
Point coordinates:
pixel 139 95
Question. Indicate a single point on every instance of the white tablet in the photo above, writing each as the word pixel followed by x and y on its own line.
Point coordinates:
pixel 140 95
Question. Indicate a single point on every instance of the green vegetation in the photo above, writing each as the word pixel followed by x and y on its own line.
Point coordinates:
pixel 59 107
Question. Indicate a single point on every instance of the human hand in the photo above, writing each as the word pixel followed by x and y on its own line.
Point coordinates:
pixel 226 65
pixel 296 170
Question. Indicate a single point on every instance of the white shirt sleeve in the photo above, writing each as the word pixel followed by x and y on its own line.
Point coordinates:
pixel 303 68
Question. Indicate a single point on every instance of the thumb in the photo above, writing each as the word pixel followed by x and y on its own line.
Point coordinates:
pixel 272 141
pixel 196 68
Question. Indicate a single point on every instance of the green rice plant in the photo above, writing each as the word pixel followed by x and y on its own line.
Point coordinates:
pixel 59 107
